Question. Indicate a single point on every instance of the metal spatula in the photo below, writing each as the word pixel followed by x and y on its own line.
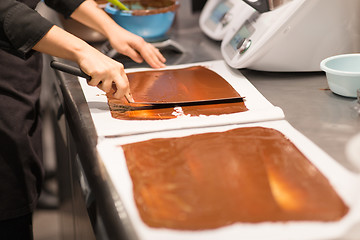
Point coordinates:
pixel 159 105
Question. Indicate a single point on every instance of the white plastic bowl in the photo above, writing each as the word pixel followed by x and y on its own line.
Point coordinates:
pixel 343 73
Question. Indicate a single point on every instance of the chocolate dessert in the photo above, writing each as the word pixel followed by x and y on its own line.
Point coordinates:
pixel 244 175
pixel 150 7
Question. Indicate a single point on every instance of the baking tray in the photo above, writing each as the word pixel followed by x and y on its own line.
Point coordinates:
pixel 260 109
pixel 346 183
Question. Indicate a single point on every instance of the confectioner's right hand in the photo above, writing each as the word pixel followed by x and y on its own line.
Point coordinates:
pixel 105 72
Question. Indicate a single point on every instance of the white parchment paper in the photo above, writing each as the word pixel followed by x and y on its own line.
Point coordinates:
pixel 346 183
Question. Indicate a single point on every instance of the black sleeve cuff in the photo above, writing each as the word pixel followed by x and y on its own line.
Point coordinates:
pixel 23 28
pixel 65 7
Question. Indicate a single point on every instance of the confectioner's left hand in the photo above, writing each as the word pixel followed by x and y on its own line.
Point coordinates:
pixel 136 47
pixel 120 39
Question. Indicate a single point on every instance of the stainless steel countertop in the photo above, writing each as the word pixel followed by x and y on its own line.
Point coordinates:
pixel 325 118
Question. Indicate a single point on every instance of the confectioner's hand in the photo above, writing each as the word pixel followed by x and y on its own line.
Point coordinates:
pixel 105 73
pixel 135 47
pixel 120 39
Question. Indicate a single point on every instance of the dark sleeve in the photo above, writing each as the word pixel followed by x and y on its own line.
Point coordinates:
pixel 20 28
pixel 65 7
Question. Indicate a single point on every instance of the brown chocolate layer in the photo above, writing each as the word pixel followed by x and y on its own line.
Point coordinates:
pixel 211 180
pixel 187 84
pixel 150 7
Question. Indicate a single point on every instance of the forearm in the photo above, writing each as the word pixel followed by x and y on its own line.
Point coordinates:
pixel 103 70
pixel 102 23
pixel 62 44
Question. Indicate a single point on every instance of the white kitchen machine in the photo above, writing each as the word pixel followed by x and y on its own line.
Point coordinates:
pixel 283 35
pixel 217 16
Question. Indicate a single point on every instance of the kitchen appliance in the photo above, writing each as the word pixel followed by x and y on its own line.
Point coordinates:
pixel 265 5
pixel 293 35
pixel 217 16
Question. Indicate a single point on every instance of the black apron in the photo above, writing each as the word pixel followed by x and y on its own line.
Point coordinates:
pixel 21 171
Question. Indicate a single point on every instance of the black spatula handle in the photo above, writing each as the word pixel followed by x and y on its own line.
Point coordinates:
pixel 69 69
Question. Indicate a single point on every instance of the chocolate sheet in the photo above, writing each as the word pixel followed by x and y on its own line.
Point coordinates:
pixel 344 182
pixel 212 180
pixel 259 108
pixel 174 85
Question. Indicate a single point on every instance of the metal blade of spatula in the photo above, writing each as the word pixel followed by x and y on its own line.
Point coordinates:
pixel 145 105
pixel 159 105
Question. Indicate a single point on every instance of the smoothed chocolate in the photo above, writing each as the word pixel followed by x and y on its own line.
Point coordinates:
pixel 150 7
pixel 246 175
pixel 186 84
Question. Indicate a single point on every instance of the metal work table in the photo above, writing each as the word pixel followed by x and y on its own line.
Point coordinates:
pixel 323 117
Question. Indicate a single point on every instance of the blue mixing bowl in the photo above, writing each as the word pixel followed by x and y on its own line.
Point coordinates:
pixel 151 23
